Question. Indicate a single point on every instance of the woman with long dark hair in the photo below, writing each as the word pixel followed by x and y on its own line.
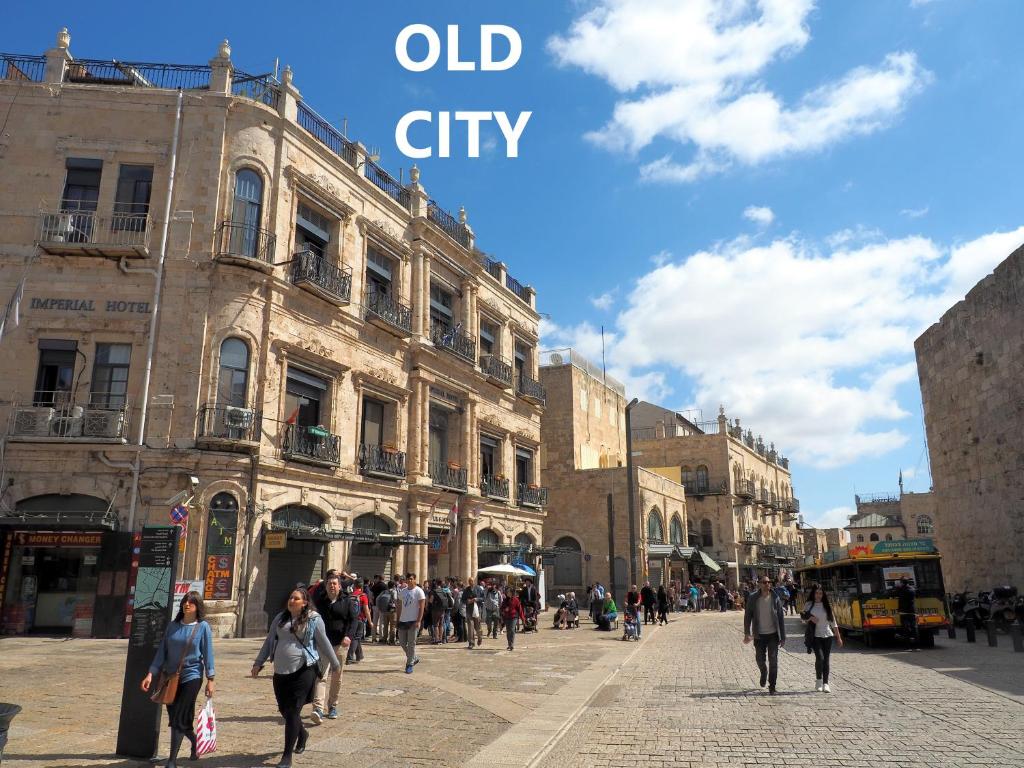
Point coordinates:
pixel 296 640
pixel 818 613
pixel 187 647
pixel 663 602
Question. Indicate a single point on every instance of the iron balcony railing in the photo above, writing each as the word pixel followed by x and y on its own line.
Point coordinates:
pixel 531 390
pixel 447 223
pixel 137 74
pixel 387 183
pixel 445 474
pixel 378 461
pixel 454 340
pixel 762 496
pixel 70 226
pixel 791 506
pixel 326 134
pixel 238 240
pixel 704 488
pixel 14 66
pixel 392 312
pixel 745 488
pixel 767 550
pixel 262 88
pixel 312 269
pixel 494 487
pixel 517 288
pixel 310 444
pixel 492 267
pixel 531 495
pixel 496 369
pixel 54 415
pixel 750 537
pixel 220 421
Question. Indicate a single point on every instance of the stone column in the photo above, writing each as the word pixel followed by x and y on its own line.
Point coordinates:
pixel 220 70
pixel 425 296
pixel 475 555
pixel 467 437
pixel 412 463
pixel 424 428
pixel 416 292
pixel 57 58
pixel 289 97
pixel 467 306
pixel 466 550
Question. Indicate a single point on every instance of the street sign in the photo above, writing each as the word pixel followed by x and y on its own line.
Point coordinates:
pixel 275 539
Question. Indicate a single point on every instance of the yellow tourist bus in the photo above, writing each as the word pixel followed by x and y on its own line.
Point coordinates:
pixel 861 580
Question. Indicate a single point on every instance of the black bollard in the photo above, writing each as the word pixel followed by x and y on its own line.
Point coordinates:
pixel 990 628
pixel 969 629
pixel 1017 638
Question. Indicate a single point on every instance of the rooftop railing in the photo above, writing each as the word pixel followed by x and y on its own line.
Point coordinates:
pixel 448 223
pixel 492 267
pixel 326 133
pixel 262 88
pixel 137 74
pixel 517 288
pixel 387 183
pixel 30 69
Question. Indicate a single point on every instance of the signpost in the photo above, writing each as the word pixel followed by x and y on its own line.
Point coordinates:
pixel 275 539
pixel 155 559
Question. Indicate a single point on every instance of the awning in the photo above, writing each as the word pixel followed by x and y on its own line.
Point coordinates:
pixel 708 561
pixel 683 553
pixel 660 550
pixel 524 567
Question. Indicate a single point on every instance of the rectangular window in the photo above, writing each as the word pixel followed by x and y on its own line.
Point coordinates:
pixel 440 306
pixel 373 422
pixel 488 456
pixel 312 230
pixel 56 373
pixel 488 338
pixel 438 436
pixel 379 272
pixel 131 204
pixel 304 396
pixel 110 375
pixel 524 466
pixel 82 184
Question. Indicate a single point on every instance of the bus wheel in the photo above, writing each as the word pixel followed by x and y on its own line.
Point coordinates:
pixel 927 640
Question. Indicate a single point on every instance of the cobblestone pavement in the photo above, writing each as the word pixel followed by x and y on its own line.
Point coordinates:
pixel 692 699
pixel 686 695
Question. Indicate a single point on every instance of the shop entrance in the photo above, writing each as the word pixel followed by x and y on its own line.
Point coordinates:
pixel 302 559
pixel 370 558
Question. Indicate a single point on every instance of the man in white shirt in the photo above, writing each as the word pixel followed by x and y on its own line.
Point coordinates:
pixel 411 601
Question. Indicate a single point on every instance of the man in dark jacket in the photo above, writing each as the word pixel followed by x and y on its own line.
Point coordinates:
pixel 340 614
pixel 647 598
pixel 529 596
pixel 906 606
pixel 763 615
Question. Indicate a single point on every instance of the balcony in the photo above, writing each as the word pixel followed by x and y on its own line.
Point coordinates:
pixel 86 233
pixel 497 370
pixel 520 290
pixel 55 417
pixel 445 474
pixel 313 272
pixel 494 487
pixel 310 445
pixel 229 428
pixel 763 497
pixel 381 461
pixel 453 339
pixel 704 488
pixel 745 489
pixel 530 390
pixel 531 496
pixel 387 313
pixel 245 244
pixel 387 183
pixel 750 538
pixel 448 224
pixel 791 506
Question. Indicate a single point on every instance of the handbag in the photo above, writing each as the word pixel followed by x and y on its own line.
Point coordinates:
pixel 206 730
pixel 166 689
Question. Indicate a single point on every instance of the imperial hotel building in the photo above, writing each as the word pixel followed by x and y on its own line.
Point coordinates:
pixel 227 304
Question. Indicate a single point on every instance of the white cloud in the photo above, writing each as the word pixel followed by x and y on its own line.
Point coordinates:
pixel 759 214
pixel 909 473
pixel 914 213
pixel 970 262
pixel 837 517
pixel 691 71
pixel 603 302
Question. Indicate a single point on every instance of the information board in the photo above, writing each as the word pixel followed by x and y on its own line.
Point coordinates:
pixel 154 560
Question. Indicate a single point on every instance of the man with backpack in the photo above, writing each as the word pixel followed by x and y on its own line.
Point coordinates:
pixel 355 587
pixel 340 613
pixel 386 607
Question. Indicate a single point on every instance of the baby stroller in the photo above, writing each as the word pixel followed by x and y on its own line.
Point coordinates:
pixel 530 622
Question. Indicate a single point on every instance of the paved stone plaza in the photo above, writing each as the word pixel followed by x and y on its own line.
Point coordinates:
pixel 686 695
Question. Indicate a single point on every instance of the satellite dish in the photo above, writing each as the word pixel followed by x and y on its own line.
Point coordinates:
pixel 556 359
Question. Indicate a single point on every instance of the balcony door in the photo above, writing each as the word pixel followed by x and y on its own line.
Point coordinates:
pixel 373 423
pixel 379 273
pixel 246 212
pixel 524 466
pixel 232 382
pixel 312 231
pixel 82 184
pixel 56 373
pixel 304 398
pixel 488 456
pixel 438 437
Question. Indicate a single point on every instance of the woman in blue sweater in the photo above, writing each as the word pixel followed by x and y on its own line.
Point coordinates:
pixel 188 641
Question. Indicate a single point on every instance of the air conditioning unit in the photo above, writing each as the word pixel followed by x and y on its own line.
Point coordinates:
pixel 59 227
pixel 556 359
pixel 101 423
pixel 68 424
pixel 32 421
pixel 240 418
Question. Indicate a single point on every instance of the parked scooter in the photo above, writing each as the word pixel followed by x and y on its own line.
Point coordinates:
pixel 1002 607
pixel 965 605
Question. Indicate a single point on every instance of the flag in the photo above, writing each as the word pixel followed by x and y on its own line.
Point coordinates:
pixel 293 418
pixel 13 309
pixel 453 520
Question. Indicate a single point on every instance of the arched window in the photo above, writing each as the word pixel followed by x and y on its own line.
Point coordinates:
pixel 295 518
pixel 924 525
pixel 246 213
pixel 569 565
pixel 523 540
pixel 221 529
pixel 487 543
pixel 675 531
pixel 702 479
pixel 233 380
pixel 655 530
pixel 692 537
pixel 687 475
pixel 860 538
pixel 888 537
pixel 873 537
pixel 371 522
pixel 706 537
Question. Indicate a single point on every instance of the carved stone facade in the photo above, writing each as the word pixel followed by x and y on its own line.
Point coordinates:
pixel 331 352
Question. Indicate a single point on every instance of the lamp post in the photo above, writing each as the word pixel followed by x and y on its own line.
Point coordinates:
pixel 630 506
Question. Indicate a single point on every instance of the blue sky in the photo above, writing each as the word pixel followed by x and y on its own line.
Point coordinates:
pixel 763 202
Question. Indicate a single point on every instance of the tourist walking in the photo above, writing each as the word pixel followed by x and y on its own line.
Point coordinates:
pixel 296 641
pixel 492 609
pixel 764 617
pixel 411 604
pixel 662 605
pixel 387 614
pixel 185 652
pixel 340 613
pixel 818 615
pixel 473 600
pixel 648 601
pixel 511 614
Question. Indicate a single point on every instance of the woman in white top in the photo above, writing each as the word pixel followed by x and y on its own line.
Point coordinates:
pixel 818 613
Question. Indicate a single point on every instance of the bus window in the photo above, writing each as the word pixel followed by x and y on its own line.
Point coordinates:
pixel 846 581
pixel 928 576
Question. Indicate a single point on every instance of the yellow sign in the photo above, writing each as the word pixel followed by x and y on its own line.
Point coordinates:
pixel 275 539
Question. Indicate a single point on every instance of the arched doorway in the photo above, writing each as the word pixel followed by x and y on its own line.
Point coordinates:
pixel 487 543
pixel 569 565
pixel 370 558
pixel 301 561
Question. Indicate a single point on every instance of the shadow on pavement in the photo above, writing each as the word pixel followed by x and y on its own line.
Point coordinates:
pixel 244 760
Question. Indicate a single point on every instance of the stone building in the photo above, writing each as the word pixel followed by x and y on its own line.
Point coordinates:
pixel 815 541
pixel 971 369
pixel 583 460
pixel 739 491
pixel 228 303
pixel 889 517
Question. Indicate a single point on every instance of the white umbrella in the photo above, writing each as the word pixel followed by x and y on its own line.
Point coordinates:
pixel 504 568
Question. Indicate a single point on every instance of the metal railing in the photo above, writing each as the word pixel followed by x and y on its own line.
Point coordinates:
pixel 706 488
pixel 375 460
pixel 448 223
pixel 14 66
pixel 492 267
pixel 54 415
pixel 69 226
pixel 262 88
pixel 745 488
pixel 387 183
pixel 314 269
pixel 531 496
pixel 876 498
pixel 220 421
pixel 315 444
pixel 455 340
pixel 494 487
pixel 762 496
pixel 392 312
pixel 444 474
pixel 246 240
pixel 494 367
pixel 137 74
pixel 326 134
pixel 568 355
pixel 531 389
pixel 517 288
